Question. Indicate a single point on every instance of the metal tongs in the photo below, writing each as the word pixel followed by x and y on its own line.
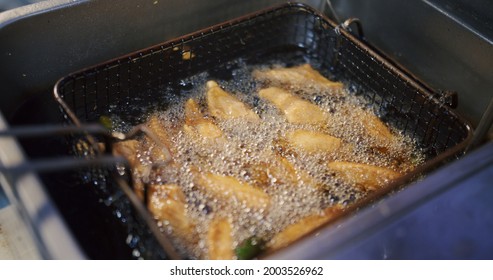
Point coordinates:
pixel 99 157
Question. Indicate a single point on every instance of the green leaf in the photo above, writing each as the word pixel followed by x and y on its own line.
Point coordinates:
pixel 106 122
pixel 250 248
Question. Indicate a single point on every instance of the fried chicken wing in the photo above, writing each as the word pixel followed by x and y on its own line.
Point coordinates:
pixel 296 109
pixel 160 141
pixel 156 141
pixel 375 128
pixel 127 149
pixel 302 227
pixel 313 142
pixel 365 176
pixel 280 171
pixel 230 189
pixel 303 75
pixel 223 105
pixel 167 204
pixel 197 124
pixel 227 183
pixel 219 240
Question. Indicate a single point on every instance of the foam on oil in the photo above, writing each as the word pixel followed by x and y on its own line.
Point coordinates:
pixel 249 148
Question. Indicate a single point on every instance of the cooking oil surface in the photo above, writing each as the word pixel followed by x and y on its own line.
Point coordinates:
pixel 252 152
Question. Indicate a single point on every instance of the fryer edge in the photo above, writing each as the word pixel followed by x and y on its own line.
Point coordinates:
pixel 398 70
pixel 51 235
pixel 10 16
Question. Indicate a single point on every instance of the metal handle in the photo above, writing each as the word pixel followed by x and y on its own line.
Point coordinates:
pixel 346 26
pixel 59 164
pixel 483 128
pixel 85 129
pixel 101 161
pixel 50 130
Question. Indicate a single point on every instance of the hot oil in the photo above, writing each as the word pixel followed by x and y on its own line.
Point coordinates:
pixel 248 149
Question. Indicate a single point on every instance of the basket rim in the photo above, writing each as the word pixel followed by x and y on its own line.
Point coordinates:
pixel 397 69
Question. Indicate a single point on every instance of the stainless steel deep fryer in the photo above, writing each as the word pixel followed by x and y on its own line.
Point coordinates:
pixel 130 85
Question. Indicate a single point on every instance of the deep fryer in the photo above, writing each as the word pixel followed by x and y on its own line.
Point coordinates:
pixel 126 85
pixel 79 57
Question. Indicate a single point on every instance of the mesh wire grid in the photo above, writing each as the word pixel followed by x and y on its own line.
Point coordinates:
pixel 136 80
pixel 402 101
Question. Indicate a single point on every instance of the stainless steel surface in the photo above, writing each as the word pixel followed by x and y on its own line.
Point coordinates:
pixel 441 41
pixel 43 221
pixel 89 94
pixel 89 32
pixel 446 43
pixel 11 4
pixel 15 240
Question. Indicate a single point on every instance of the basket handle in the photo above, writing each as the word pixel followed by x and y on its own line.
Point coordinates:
pixel 484 126
pixel 346 25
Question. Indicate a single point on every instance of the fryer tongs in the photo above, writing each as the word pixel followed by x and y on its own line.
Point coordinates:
pixel 102 159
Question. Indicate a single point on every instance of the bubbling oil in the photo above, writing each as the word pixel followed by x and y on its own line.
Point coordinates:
pixel 250 147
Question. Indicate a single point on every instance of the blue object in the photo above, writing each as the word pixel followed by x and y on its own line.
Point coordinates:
pixel 11 4
pixel 3 199
pixel 457 224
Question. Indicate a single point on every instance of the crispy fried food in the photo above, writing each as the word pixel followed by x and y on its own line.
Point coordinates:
pixel 241 173
pixel 167 204
pixel 197 124
pixel 220 240
pixel 280 171
pixel 302 227
pixel 365 176
pixel 156 141
pixel 313 142
pixel 129 150
pixel 376 128
pixel 296 109
pixel 223 105
pixel 161 140
pixel 303 75
pixel 376 133
pixel 228 188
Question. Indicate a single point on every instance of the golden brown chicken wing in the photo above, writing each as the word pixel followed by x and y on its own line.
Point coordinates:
pixel 302 227
pixel 229 189
pixel 296 109
pixel 375 128
pixel 280 171
pixel 219 240
pixel 302 76
pixel 223 105
pixel 365 176
pixel 196 124
pixel 127 149
pixel 313 142
pixel 159 140
pixel 168 204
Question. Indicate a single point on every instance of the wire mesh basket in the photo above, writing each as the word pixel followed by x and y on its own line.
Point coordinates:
pixel 133 84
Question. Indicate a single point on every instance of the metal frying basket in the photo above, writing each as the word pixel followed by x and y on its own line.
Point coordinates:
pixel 126 85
